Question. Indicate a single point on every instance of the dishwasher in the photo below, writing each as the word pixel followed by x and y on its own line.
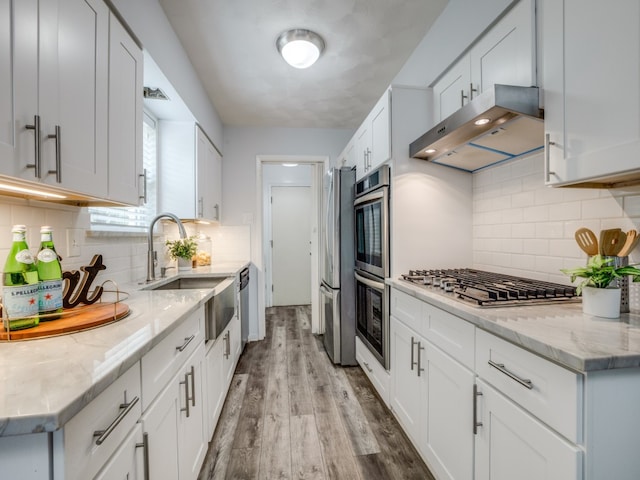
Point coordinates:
pixel 244 307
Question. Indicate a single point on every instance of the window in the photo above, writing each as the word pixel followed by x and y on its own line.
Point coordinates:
pixel 134 219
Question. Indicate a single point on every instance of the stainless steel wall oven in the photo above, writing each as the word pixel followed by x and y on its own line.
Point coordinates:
pixel 371 208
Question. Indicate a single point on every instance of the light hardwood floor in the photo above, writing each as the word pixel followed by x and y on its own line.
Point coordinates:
pixel 291 414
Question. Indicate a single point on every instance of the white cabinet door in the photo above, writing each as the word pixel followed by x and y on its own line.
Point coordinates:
pixel 215 186
pixel 125 115
pixel 447 433
pixel 406 391
pixel 215 384
pixel 451 92
pixel 363 150
pixel 506 54
pixel 379 119
pixel 74 95
pixel 127 463
pixel 591 76
pixel 160 423
pixel 208 178
pixel 192 426
pixel 18 86
pixel 512 444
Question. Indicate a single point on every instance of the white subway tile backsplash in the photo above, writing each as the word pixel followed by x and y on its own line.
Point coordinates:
pixel 536 246
pixel 549 230
pixel 523 230
pixel 536 213
pixel 632 205
pixel 603 207
pixel 523 199
pixel 565 211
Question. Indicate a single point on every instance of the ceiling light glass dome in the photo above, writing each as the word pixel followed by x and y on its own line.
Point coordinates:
pixel 300 48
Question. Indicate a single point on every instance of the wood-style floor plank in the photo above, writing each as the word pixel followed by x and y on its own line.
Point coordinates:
pixel 306 457
pixel 297 416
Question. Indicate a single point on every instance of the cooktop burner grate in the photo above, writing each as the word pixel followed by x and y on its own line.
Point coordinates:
pixel 490 289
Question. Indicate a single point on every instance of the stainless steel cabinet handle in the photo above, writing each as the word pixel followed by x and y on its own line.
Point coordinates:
pixel 420 348
pixel 143 197
pixel 193 385
pixel 36 145
pixel 185 382
pixel 476 423
pixel 103 434
pixel 472 90
pixel 547 157
pixel 217 207
pixel 145 453
pixel 58 170
pixel 368 367
pixel 522 381
pixel 462 97
pixel 200 206
pixel 227 345
pixel 413 342
pixel 187 341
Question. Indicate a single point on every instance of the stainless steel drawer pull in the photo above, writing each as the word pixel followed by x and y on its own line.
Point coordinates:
pixel 476 423
pixel 368 367
pixel 58 170
pixel 227 345
pixel 547 157
pixel 193 386
pixel 145 450
pixel 185 382
pixel 143 176
pixel 36 145
pixel 413 342
pixel 420 348
pixel 187 341
pixel 103 434
pixel 500 366
pixel 462 98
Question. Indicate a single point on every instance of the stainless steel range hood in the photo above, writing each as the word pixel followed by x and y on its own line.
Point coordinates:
pixel 502 123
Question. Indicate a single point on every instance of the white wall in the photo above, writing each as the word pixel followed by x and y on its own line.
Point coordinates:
pixel 522 227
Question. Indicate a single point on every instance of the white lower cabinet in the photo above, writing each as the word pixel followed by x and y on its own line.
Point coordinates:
pixel 175 424
pixel 431 396
pixel 511 443
pixel 128 462
pixel 375 372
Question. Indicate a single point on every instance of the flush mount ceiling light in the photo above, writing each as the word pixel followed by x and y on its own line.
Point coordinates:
pixel 300 48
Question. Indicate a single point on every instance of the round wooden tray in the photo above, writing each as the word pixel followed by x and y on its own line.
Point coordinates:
pixel 80 318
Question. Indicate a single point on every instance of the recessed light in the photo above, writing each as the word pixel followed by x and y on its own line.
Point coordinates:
pixel 482 121
pixel 430 151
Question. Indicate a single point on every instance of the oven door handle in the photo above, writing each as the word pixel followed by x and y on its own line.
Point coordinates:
pixel 370 283
pixel 375 195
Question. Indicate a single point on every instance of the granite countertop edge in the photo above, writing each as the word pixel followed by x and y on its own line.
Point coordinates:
pixel 560 333
pixel 24 420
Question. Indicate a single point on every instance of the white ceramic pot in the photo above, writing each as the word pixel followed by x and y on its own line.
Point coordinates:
pixel 601 302
pixel 184 264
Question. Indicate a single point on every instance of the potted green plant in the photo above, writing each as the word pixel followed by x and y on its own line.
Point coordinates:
pixel 600 293
pixel 182 250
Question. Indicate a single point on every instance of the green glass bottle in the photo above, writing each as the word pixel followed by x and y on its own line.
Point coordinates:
pixel 50 276
pixel 20 284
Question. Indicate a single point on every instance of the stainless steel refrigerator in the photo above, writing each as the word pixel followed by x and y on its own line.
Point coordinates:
pixel 337 291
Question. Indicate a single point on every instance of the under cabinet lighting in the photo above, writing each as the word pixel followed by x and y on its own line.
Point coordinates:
pixel 29 191
pixel 482 121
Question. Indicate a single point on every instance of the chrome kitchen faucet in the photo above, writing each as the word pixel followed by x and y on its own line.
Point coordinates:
pixel 151 254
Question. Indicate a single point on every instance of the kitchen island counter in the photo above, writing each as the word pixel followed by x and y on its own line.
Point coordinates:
pixel 558 332
pixel 45 382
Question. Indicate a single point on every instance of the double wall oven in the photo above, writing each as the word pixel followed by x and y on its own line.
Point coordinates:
pixel 371 209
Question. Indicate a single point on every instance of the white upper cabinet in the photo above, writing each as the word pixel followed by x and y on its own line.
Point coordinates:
pixel 504 55
pixel 373 138
pixel 59 102
pixel 125 116
pixel 190 172
pixel 591 73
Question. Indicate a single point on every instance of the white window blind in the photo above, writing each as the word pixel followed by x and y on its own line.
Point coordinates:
pixel 134 219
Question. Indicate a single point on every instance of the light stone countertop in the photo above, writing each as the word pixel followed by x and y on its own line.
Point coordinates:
pixel 45 382
pixel 558 332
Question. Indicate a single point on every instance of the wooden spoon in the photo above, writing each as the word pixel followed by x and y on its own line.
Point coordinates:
pixel 587 241
pixel 629 244
pixel 609 240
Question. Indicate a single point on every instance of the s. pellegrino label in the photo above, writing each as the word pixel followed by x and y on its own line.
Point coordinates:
pixel 20 289
pixel 50 275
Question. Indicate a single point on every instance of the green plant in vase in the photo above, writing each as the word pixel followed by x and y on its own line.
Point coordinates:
pixel 182 248
pixel 600 273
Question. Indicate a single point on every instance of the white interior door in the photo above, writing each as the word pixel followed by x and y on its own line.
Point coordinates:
pixel 291 248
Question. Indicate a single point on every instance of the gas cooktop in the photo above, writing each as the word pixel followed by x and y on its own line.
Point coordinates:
pixel 489 289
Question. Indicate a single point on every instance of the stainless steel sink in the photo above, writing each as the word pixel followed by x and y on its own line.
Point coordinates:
pixel 185 283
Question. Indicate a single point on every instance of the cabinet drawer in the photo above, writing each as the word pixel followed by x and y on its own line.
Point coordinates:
pixel 376 373
pixel 548 391
pixel 408 310
pixel 452 334
pixel 76 453
pixel 165 359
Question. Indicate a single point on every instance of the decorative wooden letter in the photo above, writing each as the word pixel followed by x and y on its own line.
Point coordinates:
pixel 81 291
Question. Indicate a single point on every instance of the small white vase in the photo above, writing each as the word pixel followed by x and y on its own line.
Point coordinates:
pixel 184 264
pixel 601 302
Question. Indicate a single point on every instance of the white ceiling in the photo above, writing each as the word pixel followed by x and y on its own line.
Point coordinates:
pixel 231 44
